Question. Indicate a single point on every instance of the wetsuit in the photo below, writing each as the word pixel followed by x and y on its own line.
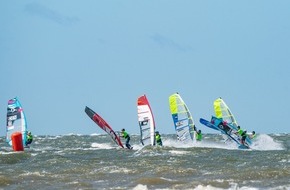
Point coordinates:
pixel 158 139
pixel 127 137
pixel 244 136
pixel 198 136
pixel 240 132
pixel 29 139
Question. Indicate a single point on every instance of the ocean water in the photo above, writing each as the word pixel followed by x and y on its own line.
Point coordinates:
pixel 95 162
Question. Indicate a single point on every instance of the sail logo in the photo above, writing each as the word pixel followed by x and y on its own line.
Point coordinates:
pixel 11 109
pixel 12 118
pixel 145 122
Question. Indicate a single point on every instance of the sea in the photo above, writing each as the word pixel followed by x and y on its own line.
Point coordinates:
pixel 75 161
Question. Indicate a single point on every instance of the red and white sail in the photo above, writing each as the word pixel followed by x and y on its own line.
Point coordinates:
pixel 104 125
pixel 146 121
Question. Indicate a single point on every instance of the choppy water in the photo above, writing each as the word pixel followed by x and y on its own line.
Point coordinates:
pixel 94 162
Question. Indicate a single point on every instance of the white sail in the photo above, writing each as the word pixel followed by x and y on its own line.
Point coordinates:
pixel 16 120
pixel 146 121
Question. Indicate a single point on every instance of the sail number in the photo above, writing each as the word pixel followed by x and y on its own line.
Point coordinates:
pixel 13 117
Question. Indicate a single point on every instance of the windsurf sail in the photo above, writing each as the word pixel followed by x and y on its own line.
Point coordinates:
pixel 16 120
pixel 223 111
pixel 103 125
pixel 182 119
pixel 146 121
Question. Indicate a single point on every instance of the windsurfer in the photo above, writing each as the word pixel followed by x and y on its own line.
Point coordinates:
pixel 240 131
pixel 244 136
pixel 158 138
pixel 29 138
pixel 253 135
pixel 125 135
pixel 198 135
pixel 224 126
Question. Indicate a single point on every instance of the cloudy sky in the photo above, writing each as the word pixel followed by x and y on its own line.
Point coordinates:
pixel 59 56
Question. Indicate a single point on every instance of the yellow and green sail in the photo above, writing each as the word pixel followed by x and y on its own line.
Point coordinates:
pixel 182 118
pixel 222 111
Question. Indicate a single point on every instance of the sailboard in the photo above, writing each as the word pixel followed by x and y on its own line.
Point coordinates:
pixel 225 122
pixel 104 125
pixel 182 119
pixel 217 124
pixel 16 120
pixel 223 112
pixel 146 121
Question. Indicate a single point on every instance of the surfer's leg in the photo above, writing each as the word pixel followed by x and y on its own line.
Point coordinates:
pixel 127 140
pixel 127 143
pixel 27 143
pixel 129 146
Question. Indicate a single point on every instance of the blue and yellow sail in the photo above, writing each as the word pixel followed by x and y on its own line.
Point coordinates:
pixel 182 119
pixel 225 118
pixel 222 111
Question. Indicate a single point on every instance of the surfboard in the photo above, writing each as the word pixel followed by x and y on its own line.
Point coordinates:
pixel 226 130
pixel 104 125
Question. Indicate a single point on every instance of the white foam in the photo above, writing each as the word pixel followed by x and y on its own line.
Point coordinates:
pixel 216 144
pixel 233 186
pixel 102 146
pixel 177 144
pixel 71 134
pixel 112 169
pixel 137 146
pixel 95 134
pixel 12 152
pixel 201 144
pixel 207 187
pixel 261 142
pixel 286 187
pixel 33 174
pixel 140 187
pixel 265 142
pixel 178 152
pixel 167 179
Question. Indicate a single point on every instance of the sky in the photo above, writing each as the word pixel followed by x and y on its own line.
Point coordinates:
pixel 59 56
